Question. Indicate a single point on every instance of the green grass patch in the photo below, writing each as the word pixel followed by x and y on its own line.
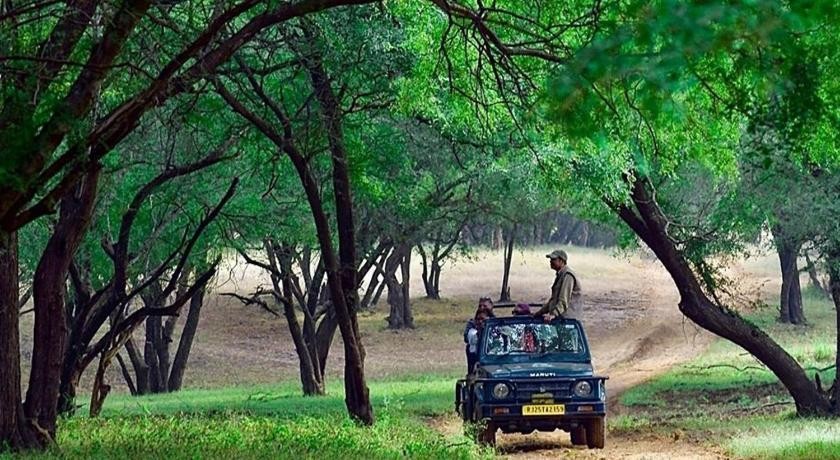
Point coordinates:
pixel 268 422
pixel 800 439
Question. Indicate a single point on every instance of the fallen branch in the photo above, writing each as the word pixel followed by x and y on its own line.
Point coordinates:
pixel 769 405
pixel 254 299
pixel 729 366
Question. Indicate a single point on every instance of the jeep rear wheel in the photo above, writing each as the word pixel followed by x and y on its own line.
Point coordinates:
pixel 596 433
pixel 578 436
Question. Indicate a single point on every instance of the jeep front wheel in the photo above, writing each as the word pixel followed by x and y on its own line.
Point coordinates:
pixel 487 434
pixel 596 433
pixel 578 435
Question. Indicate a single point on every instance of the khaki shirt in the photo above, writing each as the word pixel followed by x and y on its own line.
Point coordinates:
pixel 565 294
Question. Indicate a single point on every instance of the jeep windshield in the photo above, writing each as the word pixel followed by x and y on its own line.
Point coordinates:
pixel 533 340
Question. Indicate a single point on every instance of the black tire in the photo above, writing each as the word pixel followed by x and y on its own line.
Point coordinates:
pixel 596 433
pixel 578 436
pixel 484 430
pixel 486 435
pixel 459 403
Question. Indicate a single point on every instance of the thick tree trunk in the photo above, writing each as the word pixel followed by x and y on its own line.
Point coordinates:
pixel 400 316
pixel 182 355
pixel 436 269
pixel 834 288
pixel 504 295
pixel 650 225
pixel 341 274
pixel 50 337
pixel 405 267
pixel 150 356
pixel 790 305
pixel 14 431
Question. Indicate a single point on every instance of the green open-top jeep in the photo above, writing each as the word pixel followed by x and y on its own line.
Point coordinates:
pixel 533 375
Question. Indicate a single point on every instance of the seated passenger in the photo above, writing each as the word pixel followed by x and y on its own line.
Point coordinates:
pixel 529 340
pixel 472 340
pixel 521 309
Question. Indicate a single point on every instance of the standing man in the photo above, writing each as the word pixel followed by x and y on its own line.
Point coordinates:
pixel 565 292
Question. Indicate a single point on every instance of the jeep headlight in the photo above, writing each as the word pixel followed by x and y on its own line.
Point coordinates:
pixel 501 391
pixel 583 388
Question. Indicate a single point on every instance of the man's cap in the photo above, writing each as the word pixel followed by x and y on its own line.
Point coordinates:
pixel 558 254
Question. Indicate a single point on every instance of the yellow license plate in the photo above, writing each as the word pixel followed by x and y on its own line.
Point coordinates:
pixel 544 409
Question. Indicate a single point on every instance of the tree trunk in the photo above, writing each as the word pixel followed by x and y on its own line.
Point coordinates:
pixel 280 262
pixel 436 269
pixel 498 238
pixel 141 370
pixel 427 274
pixel 790 305
pixel 150 355
pixel 815 277
pixel 324 337
pixel 127 375
pixel 504 295
pixel 182 355
pixel 406 285
pixel 49 288
pixel 14 431
pixel 400 309
pixel 650 225
pixel 797 313
pixel 376 283
pixel 431 269
pixel 341 273
pixel 834 288
pixel 70 372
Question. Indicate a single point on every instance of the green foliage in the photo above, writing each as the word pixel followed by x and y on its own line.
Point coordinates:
pixel 225 435
pixel 268 422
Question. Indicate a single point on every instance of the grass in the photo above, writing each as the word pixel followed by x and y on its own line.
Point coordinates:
pixel 728 398
pixel 802 439
pixel 267 422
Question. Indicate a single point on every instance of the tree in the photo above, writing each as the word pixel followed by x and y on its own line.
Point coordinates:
pixel 628 110
pixel 340 266
pixel 50 139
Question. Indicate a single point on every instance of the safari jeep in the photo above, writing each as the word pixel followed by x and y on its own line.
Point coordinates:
pixel 533 375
